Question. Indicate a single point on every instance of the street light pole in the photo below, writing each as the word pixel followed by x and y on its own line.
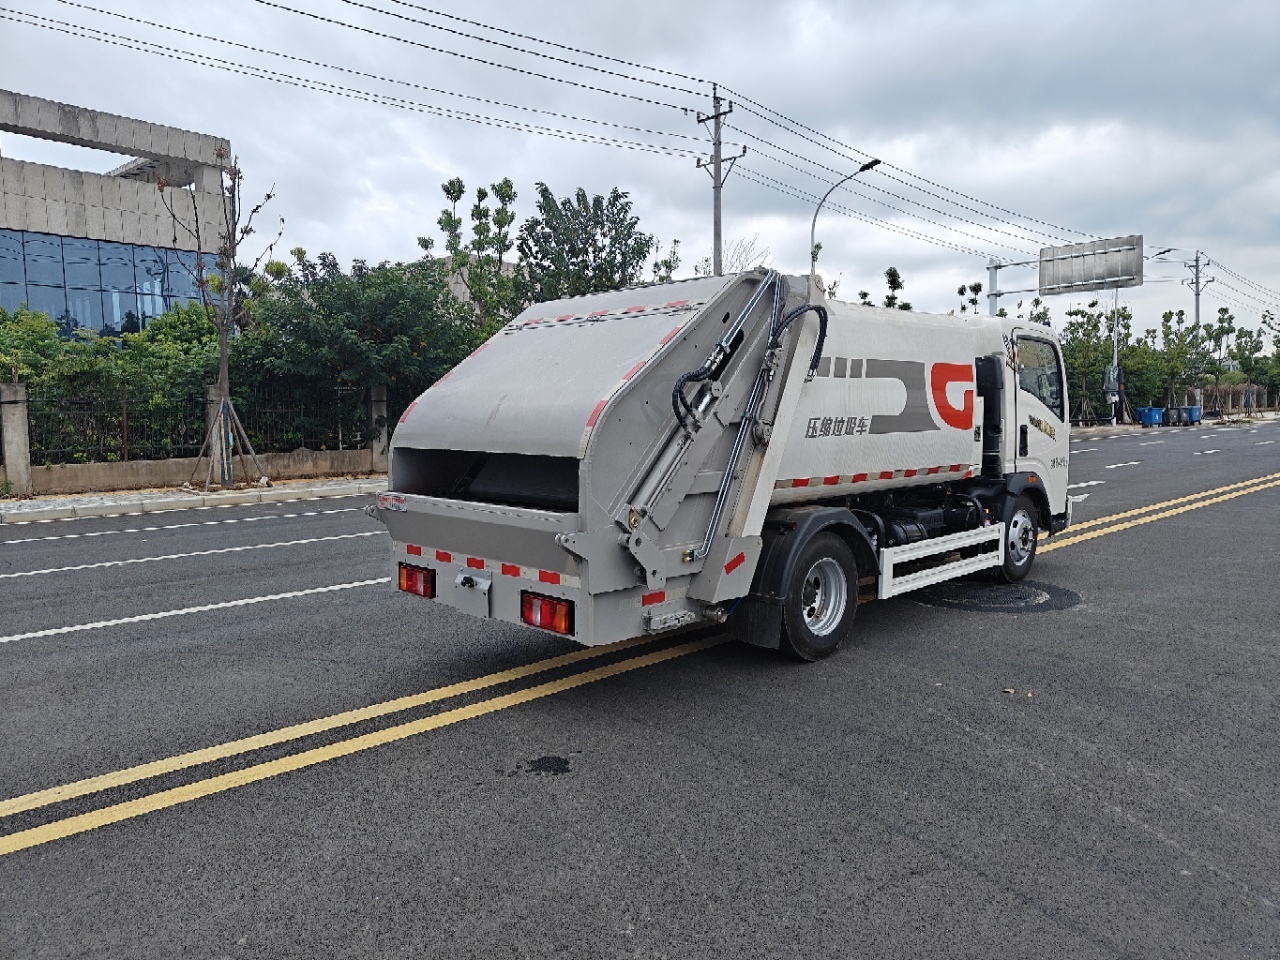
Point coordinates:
pixel 813 227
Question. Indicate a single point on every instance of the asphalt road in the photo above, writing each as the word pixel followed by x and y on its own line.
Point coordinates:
pixel 1094 776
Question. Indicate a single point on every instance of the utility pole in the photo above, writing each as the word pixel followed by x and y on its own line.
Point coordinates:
pixel 1196 283
pixel 715 166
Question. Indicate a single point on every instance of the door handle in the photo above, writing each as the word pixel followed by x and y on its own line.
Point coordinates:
pixel 1023 440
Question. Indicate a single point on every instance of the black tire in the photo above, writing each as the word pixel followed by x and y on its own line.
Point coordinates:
pixel 822 598
pixel 1021 533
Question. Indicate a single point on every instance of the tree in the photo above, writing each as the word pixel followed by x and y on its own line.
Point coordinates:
pixel 894 281
pixel 29 343
pixel 1218 340
pixel 393 324
pixel 969 296
pixel 226 288
pixel 480 263
pixel 579 245
pixel 742 255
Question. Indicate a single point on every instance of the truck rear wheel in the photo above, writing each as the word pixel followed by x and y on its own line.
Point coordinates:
pixel 1020 540
pixel 822 599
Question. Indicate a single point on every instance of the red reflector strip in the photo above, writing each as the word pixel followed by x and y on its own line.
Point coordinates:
pixel 803 482
pixel 909 473
pixel 932 470
pixel 830 481
pixel 674 303
pixel 595 414
pixel 633 371
pixel 858 478
pixel 735 563
pixel 565 316
pixel 886 474
pixel 649 599
pixel 599 313
pixel 957 467
pixel 413 551
pixel 498 566
pixel 668 338
pixel 409 409
pixel 635 310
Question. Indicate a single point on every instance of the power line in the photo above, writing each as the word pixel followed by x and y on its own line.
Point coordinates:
pixel 907 213
pixel 800 126
pixel 1247 295
pixel 850 189
pixel 1245 280
pixel 186 56
pixel 405 3
pixel 550 43
pixel 890 193
pixel 372 76
pixel 799 194
pixel 515 49
pixel 473 59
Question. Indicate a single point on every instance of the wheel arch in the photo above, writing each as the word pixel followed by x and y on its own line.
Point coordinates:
pixel 786 532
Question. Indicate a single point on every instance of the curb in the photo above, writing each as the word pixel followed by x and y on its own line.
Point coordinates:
pixel 65 511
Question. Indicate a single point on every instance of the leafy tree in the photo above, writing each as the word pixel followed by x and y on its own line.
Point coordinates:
pixel 579 245
pixel 1218 338
pixel 29 343
pixel 394 325
pixel 480 263
pixel 969 296
pixel 894 281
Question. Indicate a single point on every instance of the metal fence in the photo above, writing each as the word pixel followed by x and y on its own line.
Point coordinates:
pixel 281 421
pixel 96 429
pixel 108 429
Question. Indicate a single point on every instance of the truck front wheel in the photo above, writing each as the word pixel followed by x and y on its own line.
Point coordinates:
pixel 1020 540
pixel 822 598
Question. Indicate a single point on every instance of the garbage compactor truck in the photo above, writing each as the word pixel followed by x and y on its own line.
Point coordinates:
pixel 723 449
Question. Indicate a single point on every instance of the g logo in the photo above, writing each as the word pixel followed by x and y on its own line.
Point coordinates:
pixel 940 376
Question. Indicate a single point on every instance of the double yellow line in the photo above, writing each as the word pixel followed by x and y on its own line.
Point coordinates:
pixel 1157 511
pixel 80 823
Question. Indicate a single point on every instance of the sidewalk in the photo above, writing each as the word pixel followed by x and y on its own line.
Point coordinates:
pixel 1261 417
pixel 80 506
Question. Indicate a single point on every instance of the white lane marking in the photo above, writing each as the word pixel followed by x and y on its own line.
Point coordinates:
pixel 211 506
pixel 1150 443
pixel 178 526
pixel 196 553
pixel 203 608
pixel 1263 443
pixel 1088 450
pixel 1201 453
pixel 1207 436
pixel 1086 483
pixel 1127 463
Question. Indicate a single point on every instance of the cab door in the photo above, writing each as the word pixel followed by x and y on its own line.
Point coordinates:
pixel 1041 442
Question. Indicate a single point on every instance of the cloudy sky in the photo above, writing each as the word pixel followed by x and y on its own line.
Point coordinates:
pixel 1004 125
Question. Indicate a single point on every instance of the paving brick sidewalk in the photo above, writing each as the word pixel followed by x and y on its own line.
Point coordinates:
pixel 155 501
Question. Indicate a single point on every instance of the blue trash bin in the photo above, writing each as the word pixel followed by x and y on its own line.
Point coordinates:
pixel 1193 415
pixel 1150 416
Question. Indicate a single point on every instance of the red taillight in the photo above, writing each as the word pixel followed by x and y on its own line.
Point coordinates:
pixel 549 613
pixel 420 581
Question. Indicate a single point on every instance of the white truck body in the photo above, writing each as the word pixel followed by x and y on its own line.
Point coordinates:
pixel 557 462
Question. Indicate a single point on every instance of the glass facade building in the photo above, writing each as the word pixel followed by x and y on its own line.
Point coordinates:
pixel 94 284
